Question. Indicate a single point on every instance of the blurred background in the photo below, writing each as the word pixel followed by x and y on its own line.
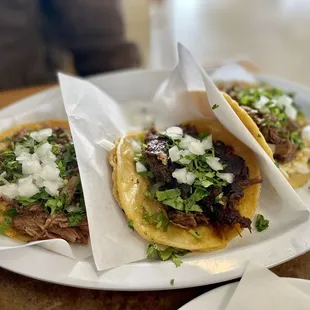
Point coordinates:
pixel 87 37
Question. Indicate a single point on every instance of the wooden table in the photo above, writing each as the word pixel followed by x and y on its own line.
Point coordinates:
pixel 19 292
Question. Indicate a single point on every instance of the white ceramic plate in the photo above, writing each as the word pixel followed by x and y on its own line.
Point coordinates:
pixel 196 270
pixel 219 298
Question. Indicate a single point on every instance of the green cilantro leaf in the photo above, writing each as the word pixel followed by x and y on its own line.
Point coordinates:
pixel 10 212
pixel 166 254
pixel 75 219
pixel 160 219
pixel 172 282
pixel 130 225
pixel 194 234
pixel 215 106
pixel 168 194
pixel 261 223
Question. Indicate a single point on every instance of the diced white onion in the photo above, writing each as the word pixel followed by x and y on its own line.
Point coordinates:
pixel 196 148
pixel 174 132
pixel 190 178
pixel 41 135
pixel 306 133
pixel 136 146
pixel 207 142
pixel 180 175
pixel 24 156
pixel 26 187
pixel 140 167
pixel 9 191
pixel 186 141
pixel 19 149
pixel 38 180
pixel 49 172
pixel 174 154
pixel 2 177
pixel 214 163
pixel 31 167
pixel 272 147
pixel 228 177
pixel 260 104
pixel 287 102
pixel 51 187
pixel 73 209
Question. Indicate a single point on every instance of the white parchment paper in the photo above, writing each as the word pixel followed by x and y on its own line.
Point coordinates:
pixel 95 117
pixel 234 72
pixel 260 289
pixel 39 111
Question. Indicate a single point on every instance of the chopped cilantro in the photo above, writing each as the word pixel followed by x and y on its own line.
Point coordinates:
pixel 75 218
pixel 261 223
pixel 297 138
pixel 26 201
pixel 166 254
pixel 194 234
pixel 11 166
pixel 168 194
pixel 259 136
pixel 130 225
pixel 160 219
pixel 203 135
pixel 56 203
pixel 215 106
pixel 277 164
pixel 10 212
pixel 3 228
pixel 172 282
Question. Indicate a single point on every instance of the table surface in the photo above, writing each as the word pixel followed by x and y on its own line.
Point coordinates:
pixel 271 33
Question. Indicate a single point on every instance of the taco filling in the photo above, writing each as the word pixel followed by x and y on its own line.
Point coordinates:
pixel 198 181
pixel 275 114
pixel 40 187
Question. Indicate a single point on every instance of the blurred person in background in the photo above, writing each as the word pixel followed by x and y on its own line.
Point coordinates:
pixel 36 36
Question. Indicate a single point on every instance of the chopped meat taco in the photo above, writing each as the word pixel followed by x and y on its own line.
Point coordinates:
pixel 276 123
pixel 40 189
pixel 192 187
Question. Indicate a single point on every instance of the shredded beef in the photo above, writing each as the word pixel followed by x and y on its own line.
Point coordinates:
pixel 40 225
pixel 285 149
pixel 217 211
pixel 157 158
pixel 69 189
pixel 228 215
pixel 182 219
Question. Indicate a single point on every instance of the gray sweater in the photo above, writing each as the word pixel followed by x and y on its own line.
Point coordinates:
pixel 35 36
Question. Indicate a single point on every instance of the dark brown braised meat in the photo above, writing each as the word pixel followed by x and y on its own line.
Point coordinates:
pixel 285 150
pixel 156 156
pixel 214 213
pixel 40 226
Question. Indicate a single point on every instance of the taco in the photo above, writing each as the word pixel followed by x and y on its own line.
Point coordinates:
pixel 277 123
pixel 40 189
pixel 193 187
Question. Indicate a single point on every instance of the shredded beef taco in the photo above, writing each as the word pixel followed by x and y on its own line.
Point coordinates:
pixel 193 187
pixel 41 195
pixel 276 123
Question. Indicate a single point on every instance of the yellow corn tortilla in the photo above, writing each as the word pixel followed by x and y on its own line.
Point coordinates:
pixel 129 188
pixel 10 232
